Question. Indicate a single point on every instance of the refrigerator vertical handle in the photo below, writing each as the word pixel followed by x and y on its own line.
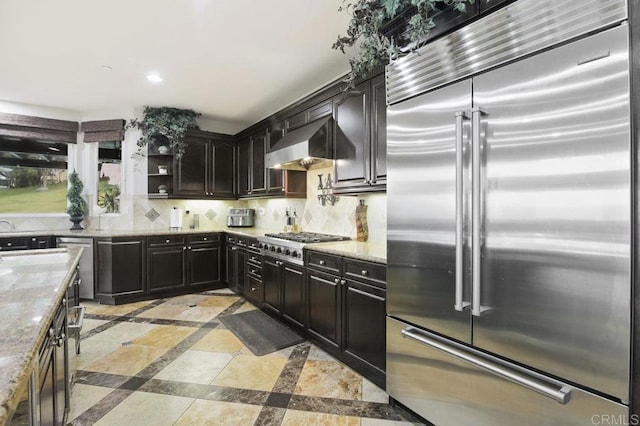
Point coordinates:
pixel 460 304
pixel 476 214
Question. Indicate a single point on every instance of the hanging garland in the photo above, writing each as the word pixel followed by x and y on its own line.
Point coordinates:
pixel 367 18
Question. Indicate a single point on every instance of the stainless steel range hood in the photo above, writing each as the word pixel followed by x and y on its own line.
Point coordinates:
pixel 310 146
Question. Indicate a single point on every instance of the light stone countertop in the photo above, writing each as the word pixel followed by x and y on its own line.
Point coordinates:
pixel 373 252
pixel 32 286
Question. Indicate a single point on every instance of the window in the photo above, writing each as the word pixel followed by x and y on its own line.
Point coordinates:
pixel 109 176
pixel 33 176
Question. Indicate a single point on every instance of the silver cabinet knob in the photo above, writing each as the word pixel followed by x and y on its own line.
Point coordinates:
pixel 167 241
pixel 322 262
pixel 343 282
pixel 365 272
pixel 337 280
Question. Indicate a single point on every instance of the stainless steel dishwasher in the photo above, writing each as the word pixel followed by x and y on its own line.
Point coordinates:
pixel 86 262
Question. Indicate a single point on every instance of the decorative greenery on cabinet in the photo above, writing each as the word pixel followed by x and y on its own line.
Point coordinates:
pixel 367 20
pixel 173 123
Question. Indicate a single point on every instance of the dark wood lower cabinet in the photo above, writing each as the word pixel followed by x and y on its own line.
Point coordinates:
pixel 346 302
pixel 324 307
pixel 293 306
pixel 130 269
pixel 271 282
pixel 166 268
pixel 121 274
pixel 204 265
pixel 284 292
pixel 236 259
pixel 364 331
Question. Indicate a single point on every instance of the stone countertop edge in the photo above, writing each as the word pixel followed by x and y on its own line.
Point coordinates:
pixel 372 252
pixel 15 368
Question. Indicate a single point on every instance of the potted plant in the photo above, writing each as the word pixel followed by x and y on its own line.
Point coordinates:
pixel 77 205
pixel 108 197
pixel 365 28
pixel 172 123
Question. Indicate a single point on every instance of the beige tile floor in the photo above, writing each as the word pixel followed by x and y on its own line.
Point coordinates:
pixel 171 362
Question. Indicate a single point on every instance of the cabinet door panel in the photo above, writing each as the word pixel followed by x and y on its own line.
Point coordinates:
pixel 166 268
pixel 324 307
pixel 364 323
pixel 120 267
pixel 378 129
pixel 204 265
pixel 271 277
pixel 258 170
pixel 241 270
pixel 191 175
pixel 244 172
pixel 352 134
pixel 230 269
pixel 223 171
pixel 293 295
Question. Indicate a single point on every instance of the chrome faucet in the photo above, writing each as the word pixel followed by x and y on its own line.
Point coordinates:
pixel 8 222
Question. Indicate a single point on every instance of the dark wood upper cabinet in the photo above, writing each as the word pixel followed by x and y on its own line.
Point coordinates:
pixel 244 167
pixel 351 113
pixel 206 169
pixel 192 169
pixel 361 138
pixel 258 169
pixel 252 173
pixel 378 130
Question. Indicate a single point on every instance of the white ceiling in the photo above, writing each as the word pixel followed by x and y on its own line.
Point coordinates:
pixel 235 61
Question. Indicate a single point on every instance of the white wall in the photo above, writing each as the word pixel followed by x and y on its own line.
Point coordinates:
pixel 337 219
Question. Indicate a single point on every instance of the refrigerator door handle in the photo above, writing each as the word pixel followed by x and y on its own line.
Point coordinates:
pixel 477 144
pixel 561 394
pixel 460 304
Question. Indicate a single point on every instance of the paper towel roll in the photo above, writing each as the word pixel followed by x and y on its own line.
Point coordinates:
pixel 175 219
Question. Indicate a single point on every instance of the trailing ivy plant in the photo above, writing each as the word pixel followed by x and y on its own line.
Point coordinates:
pixel 367 18
pixel 172 123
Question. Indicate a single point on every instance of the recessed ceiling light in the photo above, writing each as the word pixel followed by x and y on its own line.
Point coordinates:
pixel 154 78
pixel 107 68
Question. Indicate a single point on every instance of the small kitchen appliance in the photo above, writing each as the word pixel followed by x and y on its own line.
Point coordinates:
pixel 240 218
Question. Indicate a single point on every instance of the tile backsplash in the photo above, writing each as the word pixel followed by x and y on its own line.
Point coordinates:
pixel 337 219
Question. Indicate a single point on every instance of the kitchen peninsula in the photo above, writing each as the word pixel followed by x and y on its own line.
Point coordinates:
pixel 33 285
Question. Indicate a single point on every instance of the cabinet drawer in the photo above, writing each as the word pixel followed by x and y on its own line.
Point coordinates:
pixel 323 262
pixel 203 238
pixel 18 243
pixel 252 244
pixel 254 258
pixel 237 240
pixel 370 273
pixel 254 290
pixel 165 240
pixel 254 270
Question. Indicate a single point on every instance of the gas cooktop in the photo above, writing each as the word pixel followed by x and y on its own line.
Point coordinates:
pixel 307 237
pixel 288 245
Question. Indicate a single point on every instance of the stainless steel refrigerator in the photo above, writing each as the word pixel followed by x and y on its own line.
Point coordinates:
pixel 509 219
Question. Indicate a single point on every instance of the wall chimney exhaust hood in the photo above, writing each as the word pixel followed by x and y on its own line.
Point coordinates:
pixel 310 146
